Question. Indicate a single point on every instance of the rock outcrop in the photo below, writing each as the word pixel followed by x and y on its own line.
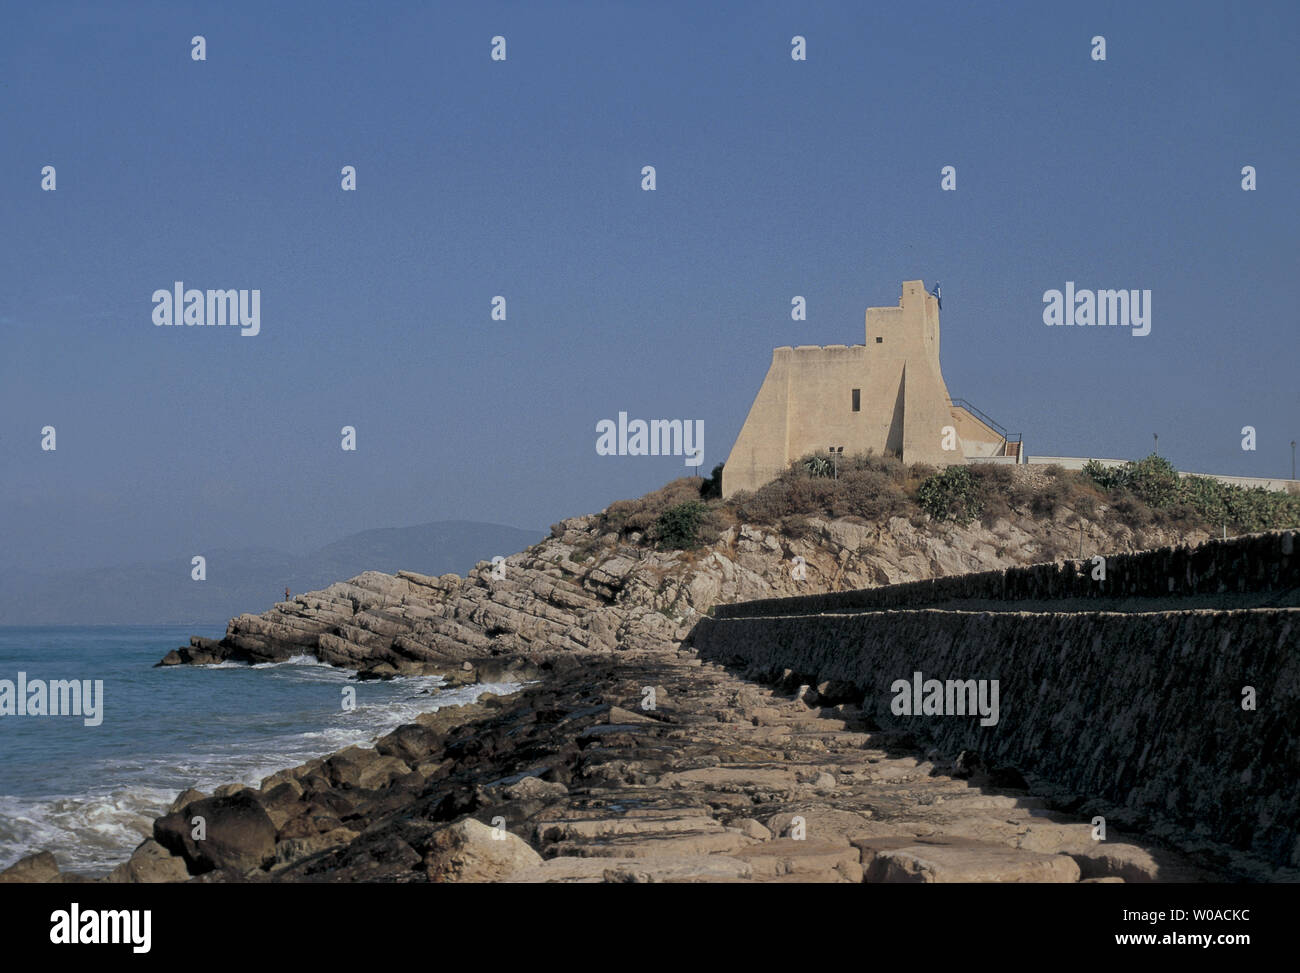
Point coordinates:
pixel 628 758
pixel 582 591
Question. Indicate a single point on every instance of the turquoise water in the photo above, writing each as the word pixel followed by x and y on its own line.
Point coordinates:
pixel 89 793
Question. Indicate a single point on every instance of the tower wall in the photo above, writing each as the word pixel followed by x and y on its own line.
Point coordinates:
pixel 805 404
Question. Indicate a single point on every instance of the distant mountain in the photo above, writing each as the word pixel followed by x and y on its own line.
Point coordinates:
pixel 247 580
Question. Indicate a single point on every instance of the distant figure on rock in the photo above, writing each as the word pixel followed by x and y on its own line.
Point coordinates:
pixel 286 592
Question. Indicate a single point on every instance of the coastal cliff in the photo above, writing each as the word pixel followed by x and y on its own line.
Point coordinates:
pixel 628 757
pixel 589 589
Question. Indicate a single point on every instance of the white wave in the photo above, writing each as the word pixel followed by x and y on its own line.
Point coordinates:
pixel 305 659
pixel 92 832
pixel 87 833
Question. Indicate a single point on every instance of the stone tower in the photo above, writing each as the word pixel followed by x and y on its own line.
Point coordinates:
pixel 886 395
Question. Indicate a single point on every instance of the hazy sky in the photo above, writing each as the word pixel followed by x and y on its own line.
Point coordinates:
pixel 522 178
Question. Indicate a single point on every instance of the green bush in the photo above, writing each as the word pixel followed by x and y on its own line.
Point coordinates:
pixel 1260 509
pixel 952 494
pixel 1107 477
pixel 712 486
pixel 1156 484
pixel 1206 497
pixel 678 527
pixel 1155 480
pixel 819 466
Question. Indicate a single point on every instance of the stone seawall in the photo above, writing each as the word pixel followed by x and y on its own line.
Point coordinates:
pixel 1251 564
pixel 1142 710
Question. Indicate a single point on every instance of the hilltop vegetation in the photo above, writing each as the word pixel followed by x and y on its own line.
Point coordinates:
pixel 1155 482
pixel 1146 496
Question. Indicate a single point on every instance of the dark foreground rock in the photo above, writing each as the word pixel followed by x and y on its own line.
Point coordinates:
pixel 576 779
pixel 232 832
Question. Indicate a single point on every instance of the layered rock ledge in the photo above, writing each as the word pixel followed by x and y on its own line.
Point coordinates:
pixel 572 780
pixel 586 590
pixel 630 758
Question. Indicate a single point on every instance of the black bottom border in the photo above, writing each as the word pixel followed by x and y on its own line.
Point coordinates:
pixel 338 922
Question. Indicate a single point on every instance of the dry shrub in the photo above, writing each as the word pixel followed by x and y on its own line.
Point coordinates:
pixel 997 485
pixel 796 527
pixel 890 466
pixel 717 519
pixel 1043 504
pixel 917 474
pixel 770 503
pixel 812 496
pixel 995 476
pixel 874 495
pixel 1057 547
pixel 1132 512
pixel 626 516
pixel 872 488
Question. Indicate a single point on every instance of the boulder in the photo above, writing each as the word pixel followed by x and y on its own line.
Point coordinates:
pixel 39 867
pixel 835 691
pixel 308 825
pixel 382 772
pixel 295 849
pixel 411 743
pixel 344 768
pixel 752 829
pixel 536 789
pixel 239 835
pixel 150 863
pixel 786 856
pixel 380 671
pixel 971 862
pixel 469 851
pixel 185 797
pixel 283 803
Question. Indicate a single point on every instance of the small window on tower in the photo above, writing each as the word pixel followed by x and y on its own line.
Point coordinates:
pixel 880 340
pixel 857 400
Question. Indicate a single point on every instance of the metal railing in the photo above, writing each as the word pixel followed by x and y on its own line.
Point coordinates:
pixel 1010 437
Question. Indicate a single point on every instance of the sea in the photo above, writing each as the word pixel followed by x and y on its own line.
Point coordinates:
pixel 89 794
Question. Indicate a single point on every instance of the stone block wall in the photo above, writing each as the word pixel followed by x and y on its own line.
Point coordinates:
pixel 1251 563
pixel 1143 710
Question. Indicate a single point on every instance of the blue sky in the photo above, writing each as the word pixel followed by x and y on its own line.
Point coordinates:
pixel 522 178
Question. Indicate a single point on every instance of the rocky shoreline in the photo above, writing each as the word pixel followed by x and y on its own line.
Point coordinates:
pixel 723 780
pixel 629 758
